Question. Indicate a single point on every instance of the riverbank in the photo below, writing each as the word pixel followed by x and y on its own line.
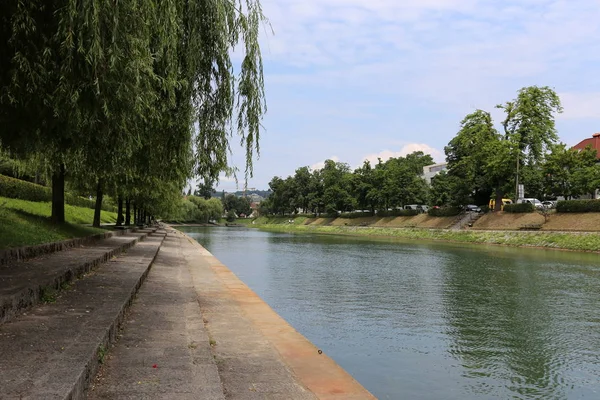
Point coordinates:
pixel 573 241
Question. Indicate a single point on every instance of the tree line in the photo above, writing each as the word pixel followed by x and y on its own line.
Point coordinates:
pixel 129 98
pixel 482 163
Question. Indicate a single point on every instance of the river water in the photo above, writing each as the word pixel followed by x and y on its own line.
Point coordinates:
pixel 413 320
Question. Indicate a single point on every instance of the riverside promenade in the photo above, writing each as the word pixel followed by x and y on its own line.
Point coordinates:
pixel 164 320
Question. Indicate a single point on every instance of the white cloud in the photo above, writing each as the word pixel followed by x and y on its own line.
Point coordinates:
pixel 449 51
pixel 580 105
pixel 438 156
pixel 321 164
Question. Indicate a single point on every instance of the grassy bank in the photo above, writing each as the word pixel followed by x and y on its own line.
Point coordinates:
pixel 552 240
pixel 26 223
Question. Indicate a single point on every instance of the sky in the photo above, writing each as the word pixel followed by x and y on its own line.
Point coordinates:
pixel 351 80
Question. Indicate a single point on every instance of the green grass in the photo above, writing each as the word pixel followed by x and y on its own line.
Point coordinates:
pixel 565 241
pixel 26 223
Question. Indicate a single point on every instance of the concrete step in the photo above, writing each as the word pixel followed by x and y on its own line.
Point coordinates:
pixel 163 350
pixel 53 351
pixel 24 283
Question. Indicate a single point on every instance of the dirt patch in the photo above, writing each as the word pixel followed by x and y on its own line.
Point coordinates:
pixel 588 222
pixel 500 220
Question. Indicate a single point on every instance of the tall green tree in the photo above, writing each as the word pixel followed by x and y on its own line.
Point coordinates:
pixel 529 124
pixel 469 155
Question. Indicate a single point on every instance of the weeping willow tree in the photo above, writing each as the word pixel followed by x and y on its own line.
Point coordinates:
pixel 116 93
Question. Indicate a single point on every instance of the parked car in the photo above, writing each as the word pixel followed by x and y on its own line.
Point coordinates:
pixel 472 208
pixel 549 204
pixel 536 203
pixel 417 207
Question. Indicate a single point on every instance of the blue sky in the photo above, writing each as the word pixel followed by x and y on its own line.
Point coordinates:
pixel 357 79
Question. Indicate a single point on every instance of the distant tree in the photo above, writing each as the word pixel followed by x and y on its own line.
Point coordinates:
pixel 204 188
pixel 469 155
pixel 570 172
pixel 529 125
pixel 442 189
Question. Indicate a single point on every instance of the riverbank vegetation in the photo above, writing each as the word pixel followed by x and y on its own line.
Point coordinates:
pixel 482 163
pixel 28 223
pixel 127 99
pixel 550 240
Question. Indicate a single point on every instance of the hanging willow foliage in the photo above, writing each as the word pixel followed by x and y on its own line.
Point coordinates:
pixel 131 92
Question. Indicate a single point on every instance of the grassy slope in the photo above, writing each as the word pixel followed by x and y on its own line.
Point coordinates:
pixel 566 241
pixel 24 223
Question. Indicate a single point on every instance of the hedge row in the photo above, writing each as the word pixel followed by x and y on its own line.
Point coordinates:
pixel 578 206
pixel 519 208
pixel 23 190
pixel 444 211
pixel 352 215
pixel 397 213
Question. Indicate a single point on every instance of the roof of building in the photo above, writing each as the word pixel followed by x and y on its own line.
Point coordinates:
pixel 594 142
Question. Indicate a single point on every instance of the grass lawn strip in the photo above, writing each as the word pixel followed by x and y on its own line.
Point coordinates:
pixel 27 223
pixel 554 240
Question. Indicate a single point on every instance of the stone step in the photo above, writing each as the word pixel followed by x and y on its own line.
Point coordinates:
pixel 26 283
pixel 163 350
pixel 53 351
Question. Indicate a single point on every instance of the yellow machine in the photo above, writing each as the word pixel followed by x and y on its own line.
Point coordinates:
pixel 504 202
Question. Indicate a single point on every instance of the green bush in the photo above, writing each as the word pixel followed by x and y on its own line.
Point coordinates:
pixel 519 208
pixel 353 215
pixel 23 190
pixel 397 213
pixel 18 189
pixel 578 206
pixel 444 211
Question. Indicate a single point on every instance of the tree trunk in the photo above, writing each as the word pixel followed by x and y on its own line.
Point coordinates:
pixel 498 205
pixel 58 195
pixel 98 208
pixel 127 212
pixel 135 214
pixel 120 211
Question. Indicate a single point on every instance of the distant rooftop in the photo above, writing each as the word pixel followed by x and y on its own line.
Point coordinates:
pixel 593 142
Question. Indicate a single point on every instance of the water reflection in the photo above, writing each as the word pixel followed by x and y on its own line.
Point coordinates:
pixel 422 321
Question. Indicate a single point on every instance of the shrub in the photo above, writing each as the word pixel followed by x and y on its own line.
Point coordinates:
pixel 352 215
pixel 444 211
pixel 519 208
pixel 578 206
pixel 397 213
pixel 230 216
pixel 23 190
pixel 18 189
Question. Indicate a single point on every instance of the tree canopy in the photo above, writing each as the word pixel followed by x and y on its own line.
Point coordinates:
pixel 130 98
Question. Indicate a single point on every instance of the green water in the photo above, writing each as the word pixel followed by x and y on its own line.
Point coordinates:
pixel 431 321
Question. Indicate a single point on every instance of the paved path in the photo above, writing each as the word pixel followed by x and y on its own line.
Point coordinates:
pixel 163 351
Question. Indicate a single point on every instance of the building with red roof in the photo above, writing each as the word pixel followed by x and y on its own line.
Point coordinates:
pixel 593 142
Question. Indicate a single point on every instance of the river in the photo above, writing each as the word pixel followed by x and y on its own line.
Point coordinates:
pixel 413 320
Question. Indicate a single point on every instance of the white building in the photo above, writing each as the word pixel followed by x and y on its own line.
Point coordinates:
pixel 432 170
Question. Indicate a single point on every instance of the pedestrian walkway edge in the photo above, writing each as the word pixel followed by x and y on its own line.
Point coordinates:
pixel 316 371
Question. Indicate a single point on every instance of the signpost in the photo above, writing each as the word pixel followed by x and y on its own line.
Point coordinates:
pixel 521 193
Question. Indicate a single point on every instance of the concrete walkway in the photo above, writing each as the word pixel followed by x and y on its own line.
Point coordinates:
pixel 163 351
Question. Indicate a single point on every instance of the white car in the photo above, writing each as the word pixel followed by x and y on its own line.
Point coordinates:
pixel 536 203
